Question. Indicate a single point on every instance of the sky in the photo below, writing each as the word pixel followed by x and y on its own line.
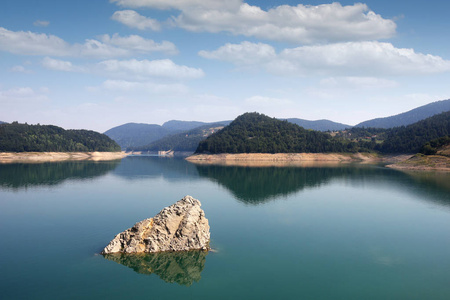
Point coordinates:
pixel 99 64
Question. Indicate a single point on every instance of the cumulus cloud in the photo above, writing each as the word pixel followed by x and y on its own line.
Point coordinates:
pixel 133 19
pixel 245 53
pixel 142 69
pixel 40 23
pixel 369 59
pixel 20 69
pixel 31 43
pixel 305 24
pixel 139 44
pixel 139 87
pixel 60 65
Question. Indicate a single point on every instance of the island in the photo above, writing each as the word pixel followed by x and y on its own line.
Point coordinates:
pixel 49 143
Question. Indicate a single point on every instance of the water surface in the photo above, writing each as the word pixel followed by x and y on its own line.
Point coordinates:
pixel 342 232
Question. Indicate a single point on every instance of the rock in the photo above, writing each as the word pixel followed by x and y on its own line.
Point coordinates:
pixel 179 227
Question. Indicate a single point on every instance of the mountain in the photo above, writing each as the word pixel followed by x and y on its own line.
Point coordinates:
pixel 412 138
pixel 320 125
pixel 186 141
pixel 258 133
pixel 175 125
pixel 135 134
pixel 17 137
pixel 409 117
pixel 1 122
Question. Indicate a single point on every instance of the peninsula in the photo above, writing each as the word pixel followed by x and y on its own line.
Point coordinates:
pixel 256 137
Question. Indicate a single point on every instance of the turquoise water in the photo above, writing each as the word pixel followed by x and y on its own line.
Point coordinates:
pixel 348 232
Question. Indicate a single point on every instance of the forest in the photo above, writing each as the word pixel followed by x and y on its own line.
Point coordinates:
pixel 16 137
pixel 257 133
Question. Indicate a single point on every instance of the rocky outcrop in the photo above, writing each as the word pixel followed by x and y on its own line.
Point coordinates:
pixel 179 227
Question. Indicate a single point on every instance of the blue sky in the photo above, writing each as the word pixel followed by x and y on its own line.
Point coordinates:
pixel 99 64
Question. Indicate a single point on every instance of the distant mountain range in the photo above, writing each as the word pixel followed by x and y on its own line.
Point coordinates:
pixel 1 122
pixel 186 141
pixel 409 117
pixel 133 135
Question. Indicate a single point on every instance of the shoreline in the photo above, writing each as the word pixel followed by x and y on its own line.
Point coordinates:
pixel 40 157
pixel 423 163
pixel 292 159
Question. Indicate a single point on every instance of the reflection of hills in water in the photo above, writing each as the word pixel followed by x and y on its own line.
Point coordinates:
pixel 135 167
pixel 182 267
pixel 23 175
pixel 254 185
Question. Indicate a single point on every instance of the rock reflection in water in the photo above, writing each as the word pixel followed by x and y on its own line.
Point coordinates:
pixel 183 267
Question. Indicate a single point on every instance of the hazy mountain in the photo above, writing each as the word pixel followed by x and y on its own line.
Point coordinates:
pixel 175 125
pixel 320 125
pixel 186 141
pixel 409 117
pixel 134 134
pixel 1 122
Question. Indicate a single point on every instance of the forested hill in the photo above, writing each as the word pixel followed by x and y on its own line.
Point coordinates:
pixel 17 137
pixel 409 117
pixel 257 133
pixel 412 138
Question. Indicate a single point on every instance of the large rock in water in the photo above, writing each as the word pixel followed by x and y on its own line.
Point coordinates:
pixel 179 227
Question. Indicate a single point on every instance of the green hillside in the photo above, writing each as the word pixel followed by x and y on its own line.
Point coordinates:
pixel 17 137
pixel 257 133
pixel 412 138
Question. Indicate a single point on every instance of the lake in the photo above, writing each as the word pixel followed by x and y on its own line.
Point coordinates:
pixel 342 232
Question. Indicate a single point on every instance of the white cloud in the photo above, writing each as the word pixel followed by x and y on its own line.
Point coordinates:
pixel 142 69
pixel 133 19
pixel 60 65
pixel 357 83
pixel 297 24
pixel 20 69
pixel 30 43
pixel 245 53
pixel 137 43
pixel 259 101
pixel 366 59
pixel 41 23
pixel 139 87
pixel 15 100
pixel 179 4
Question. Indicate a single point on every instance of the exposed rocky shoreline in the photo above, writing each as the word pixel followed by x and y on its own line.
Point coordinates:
pixel 39 157
pixel 420 162
pixel 289 159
